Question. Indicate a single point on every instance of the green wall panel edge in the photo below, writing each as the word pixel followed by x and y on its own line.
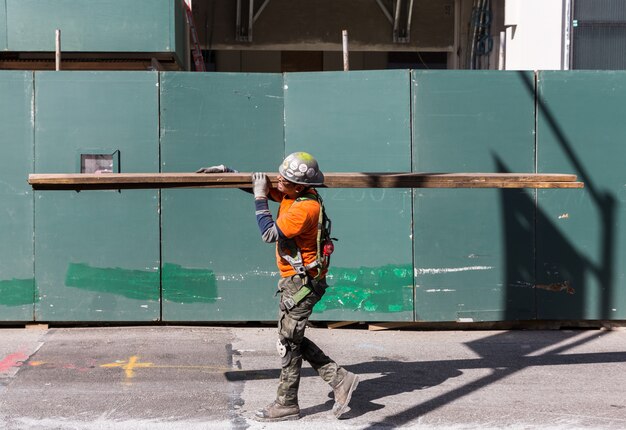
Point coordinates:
pixel 178 32
pixel 581 236
pixel 215 265
pixel 17 285
pixel 474 248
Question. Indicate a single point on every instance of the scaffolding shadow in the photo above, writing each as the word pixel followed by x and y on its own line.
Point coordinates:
pixel 502 359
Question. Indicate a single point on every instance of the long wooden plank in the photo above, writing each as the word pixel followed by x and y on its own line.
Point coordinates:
pixel 78 181
pixel 491 184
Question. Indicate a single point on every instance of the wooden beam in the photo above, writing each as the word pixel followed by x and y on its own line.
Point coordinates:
pixel 82 181
pixel 339 324
pixel 390 325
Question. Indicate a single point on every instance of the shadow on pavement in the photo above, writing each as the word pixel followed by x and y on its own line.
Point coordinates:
pixel 503 354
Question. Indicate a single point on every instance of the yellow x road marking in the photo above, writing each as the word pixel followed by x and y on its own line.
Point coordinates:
pixel 133 363
pixel 128 366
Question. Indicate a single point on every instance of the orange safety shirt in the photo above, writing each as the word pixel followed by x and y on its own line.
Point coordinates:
pixel 297 220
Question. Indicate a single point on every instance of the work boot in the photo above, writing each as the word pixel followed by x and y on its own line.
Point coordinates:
pixel 343 393
pixel 277 412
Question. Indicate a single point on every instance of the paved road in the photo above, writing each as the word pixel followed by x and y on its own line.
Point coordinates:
pixel 163 377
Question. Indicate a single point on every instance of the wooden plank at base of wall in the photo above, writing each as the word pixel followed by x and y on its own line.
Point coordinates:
pixel 83 181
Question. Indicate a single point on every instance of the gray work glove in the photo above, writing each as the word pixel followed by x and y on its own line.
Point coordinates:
pixel 260 185
pixel 217 169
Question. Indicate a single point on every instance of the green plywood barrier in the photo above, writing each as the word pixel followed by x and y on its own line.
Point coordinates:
pixel 97 252
pixel 581 262
pixel 427 254
pixel 211 235
pixel 95 26
pixel 473 248
pixel 16 211
pixel 359 121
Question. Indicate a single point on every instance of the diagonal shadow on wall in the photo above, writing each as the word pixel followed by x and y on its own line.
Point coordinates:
pixel 567 270
pixel 563 278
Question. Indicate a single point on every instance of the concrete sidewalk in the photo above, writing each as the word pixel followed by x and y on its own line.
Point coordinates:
pixel 164 377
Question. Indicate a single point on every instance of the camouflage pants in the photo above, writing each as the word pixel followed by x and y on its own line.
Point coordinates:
pixel 291 325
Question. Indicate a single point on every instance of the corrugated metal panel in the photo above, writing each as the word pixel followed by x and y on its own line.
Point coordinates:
pixel 215 266
pixel 90 26
pixel 600 10
pixel 355 121
pixel 473 248
pixel 599 35
pixel 598 47
pixel 581 242
pixel 97 252
pixel 16 212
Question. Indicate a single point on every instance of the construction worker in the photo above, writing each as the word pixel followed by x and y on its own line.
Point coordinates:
pixel 302 280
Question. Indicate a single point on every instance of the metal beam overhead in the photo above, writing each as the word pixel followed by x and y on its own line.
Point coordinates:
pixel 401 19
pixel 243 33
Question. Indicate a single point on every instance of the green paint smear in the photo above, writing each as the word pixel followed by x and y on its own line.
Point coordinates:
pixel 182 285
pixel 134 284
pixel 17 292
pixel 382 289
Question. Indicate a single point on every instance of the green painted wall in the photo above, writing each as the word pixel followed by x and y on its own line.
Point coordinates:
pixel 3 25
pixel 97 252
pixel 16 211
pixel 581 235
pixel 352 122
pixel 427 254
pixel 178 31
pixel 216 268
pixel 474 248
pixel 93 26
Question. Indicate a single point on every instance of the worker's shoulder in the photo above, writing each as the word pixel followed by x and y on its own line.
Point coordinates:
pixel 308 203
pixel 310 195
pixel 308 200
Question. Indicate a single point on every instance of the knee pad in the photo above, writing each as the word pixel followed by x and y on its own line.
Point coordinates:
pixel 284 351
pixel 287 351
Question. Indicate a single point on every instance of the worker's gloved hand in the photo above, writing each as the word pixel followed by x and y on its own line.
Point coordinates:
pixel 260 185
pixel 217 169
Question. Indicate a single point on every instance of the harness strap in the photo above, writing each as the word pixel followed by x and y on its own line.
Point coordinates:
pixel 304 291
pixel 290 302
pixel 318 256
pixel 297 261
pixel 301 294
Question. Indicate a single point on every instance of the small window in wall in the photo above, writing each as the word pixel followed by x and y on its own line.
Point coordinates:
pixel 92 162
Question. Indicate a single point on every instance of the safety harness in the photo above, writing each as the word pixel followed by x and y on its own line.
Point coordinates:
pixel 288 249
